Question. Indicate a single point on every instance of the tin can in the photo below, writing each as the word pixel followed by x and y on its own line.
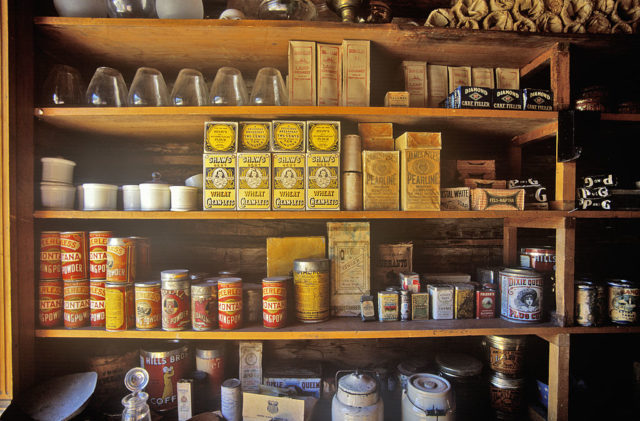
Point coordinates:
pixel 231 400
pixel 210 359
pixel 367 308
pixel 410 281
pixel 486 302
pixel 143 257
pixel 76 304
pixel 507 395
pixel 464 373
pixel 463 301
pixel 488 275
pixel 420 306
pixel 166 363
pixel 623 301
pixel 505 354
pixel 586 303
pixel 50 263
pixel 408 368
pixel 97 302
pixel 541 259
pixel 602 304
pixel 74 256
pixel 148 305
pixel 521 295
pixel 204 306
pixel 121 260
pixel 50 302
pixel 174 275
pixel 229 273
pixel 388 307
pixel 312 289
pixel 119 306
pixel 230 303
pixel 274 301
pixel 405 306
pixel 442 301
pixel 98 254
pixel 252 302
pixel 176 304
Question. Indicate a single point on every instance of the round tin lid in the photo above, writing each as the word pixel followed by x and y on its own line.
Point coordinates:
pixel 57 160
pixel 506 341
pixel 213 281
pixel 490 286
pixel 459 365
pixel 136 379
pixel 430 384
pixel 276 279
pixel 229 280
pixel 624 283
pixel 392 289
pixel 98 186
pixel 543 250
pixel 127 187
pixel 503 382
pixel 210 352
pixel 174 275
pixel 163 349
pixel 147 284
pixel 199 276
pixel 522 271
pixel 411 366
pixel 231 383
pixel 313 264
pixel 203 288
pixel 228 273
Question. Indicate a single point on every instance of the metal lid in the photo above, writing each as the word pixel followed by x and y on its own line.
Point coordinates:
pixel 313 264
pixel 136 379
pixel 198 276
pixel 503 382
pixel 163 349
pixel 624 283
pixel 231 383
pixel 586 285
pixel 176 284
pixel 250 286
pixel 520 271
pixel 393 289
pixel 490 286
pixel 464 286
pixel 119 241
pixel 210 353
pixel 203 288
pixel 543 249
pixel 506 341
pixel 143 284
pixel 425 383
pixel 229 280
pixel 276 279
pixel 411 366
pixel 174 274
pixel 228 273
pixel 459 365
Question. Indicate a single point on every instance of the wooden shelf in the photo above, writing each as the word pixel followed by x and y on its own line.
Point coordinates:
pixel 620 117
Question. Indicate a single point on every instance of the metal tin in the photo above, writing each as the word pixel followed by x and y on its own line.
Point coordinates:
pixel 463 301
pixel 420 306
pixel 274 301
pixel 486 302
pixel 231 400
pixel 121 260
pixel 624 297
pixel 507 395
pixel 367 308
pixel 352 153
pixel 586 303
pixel 521 295
pixel 505 353
pixel 97 302
pixel 252 302
pixel 442 301
pixel 119 306
pixel 464 373
pixel 229 273
pixel 166 363
pixel 458 365
pixel 405 306
pixel 143 257
pixel 50 302
pixel 148 305
pixel 176 304
pixel 50 263
pixel 388 308
pixel 76 304
pixel 352 191
pixel 174 275
pixel 488 275
pixel 541 259
pixel 204 306
pixel 210 359
pixel 311 278
pixel 230 303
pixel 410 281
pixel 74 256
pixel 98 254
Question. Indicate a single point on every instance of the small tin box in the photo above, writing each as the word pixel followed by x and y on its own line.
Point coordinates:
pixel 410 281
pixel 442 301
pixel 420 306
pixel 388 306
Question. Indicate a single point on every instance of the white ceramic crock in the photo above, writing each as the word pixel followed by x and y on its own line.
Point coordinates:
pixel 194 181
pixel 100 196
pixel 155 197
pixel 183 198
pixel 79 197
pixel 180 9
pixel 131 197
pixel 81 8
pixel 57 195
pixel 57 170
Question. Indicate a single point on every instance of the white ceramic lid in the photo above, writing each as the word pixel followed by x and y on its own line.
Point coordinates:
pixel 357 389
pixel 99 186
pixel 131 187
pixel 153 186
pixel 429 384
pixel 184 188
pixel 50 185
pixel 58 161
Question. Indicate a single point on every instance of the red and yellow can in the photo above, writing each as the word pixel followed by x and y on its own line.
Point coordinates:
pixel 274 301
pixel 98 254
pixel 96 302
pixel 204 306
pixel 121 260
pixel 230 303
pixel 51 298
pixel 50 263
pixel 74 256
pixel 148 305
pixel 76 304
pixel 119 306
pixel 176 304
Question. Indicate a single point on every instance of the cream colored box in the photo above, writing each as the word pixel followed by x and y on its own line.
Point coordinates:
pixel 356 69
pixel 446 277
pixel 375 136
pixel 219 172
pixel 481 183
pixel 275 406
pixel 396 99
pixel 507 78
pixel 379 144
pixel 497 199
pixel 418 140
pixel 420 179
pixel 381 180
pixel 250 371
pixel 282 251
pixel 437 85
pixel 415 82
pixel 459 76
pixel 349 252
pixel 254 181
pixel 302 73
pixel 329 74
pixel 456 198
pixel 288 136
pixel 323 136
pixel 288 181
pixel 323 181
pixel 220 136
pixel 255 136
pixel 184 389
pixel 482 77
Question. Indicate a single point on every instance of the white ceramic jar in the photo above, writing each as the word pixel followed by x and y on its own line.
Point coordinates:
pixel 183 198
pixel 57 170
pixel 100 196
pixel 194 181
pixel 155 197
pixel 57 195
pixel 79 197
pixel 131 197
pixel 81 8
pixel 428 396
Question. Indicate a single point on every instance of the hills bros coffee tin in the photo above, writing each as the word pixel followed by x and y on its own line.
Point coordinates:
pixel 50 264
pixel 166 363
pixel 521 293
pixel 74 256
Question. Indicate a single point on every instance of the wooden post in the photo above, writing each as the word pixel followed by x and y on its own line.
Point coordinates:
pixel 515 161
pixel 510 245
pixel 559 352
pixel 565 251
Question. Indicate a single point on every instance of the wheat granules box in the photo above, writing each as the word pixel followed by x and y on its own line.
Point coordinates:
pixel 288 136
pixel 219 182
pixel 254 181
pixel 288 181
pixel 220 137
pixel 323 181
pixel 323 136
pixel 255 136
pixel 380 180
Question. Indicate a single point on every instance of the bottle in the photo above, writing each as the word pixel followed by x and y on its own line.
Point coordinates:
pixel 135 403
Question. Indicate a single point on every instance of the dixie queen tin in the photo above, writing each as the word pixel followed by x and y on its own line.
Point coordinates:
pixel 521 293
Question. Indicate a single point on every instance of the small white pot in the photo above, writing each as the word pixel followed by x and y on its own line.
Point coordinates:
pixel 81 8
pixel 100 196
pixel 57 196
pixel 179 9
pixel 155 197
pixel 79 197
pixel 131 197
pixel 57 170
pixel 183 198
pixel 194 181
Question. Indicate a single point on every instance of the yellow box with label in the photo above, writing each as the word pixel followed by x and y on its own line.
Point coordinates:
pixel 255 136
pixel 323 136
pixel 254 181
pixel 288 136
pixel 288 191
pixel 219 171
pixel 323 181
pixel 220 137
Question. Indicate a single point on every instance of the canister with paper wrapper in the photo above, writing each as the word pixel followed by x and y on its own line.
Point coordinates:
pixel 148 301
pixel 77 311
pixel 274 301
pixel 98 254
pixel 428 397
pixel 176 299
pixel 505 354
pixel 50 263
pixel 74 256
pixel 591 302
pixel 464 373
pixel 311 278
pixel 166 363
pixel 119 306
pixel 230 303
pixel 50 302
pixel 121 260
pixel 204 306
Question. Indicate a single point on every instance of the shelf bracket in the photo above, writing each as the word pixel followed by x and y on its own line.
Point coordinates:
pixel 559 353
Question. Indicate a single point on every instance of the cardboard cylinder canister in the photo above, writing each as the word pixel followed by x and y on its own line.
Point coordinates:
pixel 352 191
pixel 97 302
pixel 148 305
pixel 166 364
pixel 50 263
pixel 311 278
pixel 98 254
pixel 352 153
pixel 74 256
pixel 76 304
pixel 50 297
pixel 231 400
pixel 119 306
pixel 274 301
pixel 230 303
pixel 121 260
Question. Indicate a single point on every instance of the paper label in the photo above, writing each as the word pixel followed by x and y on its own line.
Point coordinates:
pixel 219 182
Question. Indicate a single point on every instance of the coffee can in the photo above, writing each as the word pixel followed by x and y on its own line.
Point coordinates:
pixel 521 295
pixel 77 311
pixel 166 363
pixel 97 302
pixel 121 260
pixel 311 279
pixel 230 303
pixel 50 302
pixel 204 306
pixel 74 256
pixel 274 301
pixel 507 395
pixel 119 306
pixel 542 259
pixel 176 304
pixel 506 354
pixel 50 263
pixel 231 400
pixel 98 254
pixel 252 302
pixel 174 275
pixel 148 305
pixel 210 359
pixel 624 297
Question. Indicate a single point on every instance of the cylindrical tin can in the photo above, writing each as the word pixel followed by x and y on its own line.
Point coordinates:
pixel 210 359
pixel 352 191
pixel 521 295
pixel 231 400
pixel 311 281
pixel 405 306
pixel 464 373
pixel 174 275
pixel 505 354
pixel 252 302
pixel 388 306
pixel 176 304
pixel 50 263
pixel 143 257
pixel 230 303
pixel 486 302
pixel 121 260
pixel 507 395
pixel 119 306
pixel 624 296
pixel 98 254
pixel 427 394
pixel 442 301
pixel 463 301
pixel 51 299
pixel 76 304
pixel 148 305
pixel 410 281
pixel 352 153
pixel 74 256
pixel 541 259
pixel 586 303
pixel 166 363
pixel 97 302
pixel 204 306
pixel 274 301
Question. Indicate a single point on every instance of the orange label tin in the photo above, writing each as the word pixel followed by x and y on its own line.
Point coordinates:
pixel 274 301
pixel 50 299
pixel 50 263
pixel 119 306
pixel 230 303
pixel 121 260
pixel 74 256
pixel 76 304
pixel 96 302
pixel 148 305
pixel 98 254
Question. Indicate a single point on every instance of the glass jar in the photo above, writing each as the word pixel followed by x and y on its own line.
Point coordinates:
pixel 135 407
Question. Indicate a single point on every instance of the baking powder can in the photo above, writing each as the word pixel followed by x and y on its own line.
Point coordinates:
pixel 148 305
pixel 121 260
pixel 210 359
pixel 96 302
pixel 624 297
pixel 174 275
pixel 77 312
pixel 166 363
pixel 311 279
pixel 252 302
pixel 410 281
pixel 230 303
pixel 50 263
pixel 464 300
pixel 541 259
pixel 50 302
pixel 274 301
pixel 143 257
pixel 388 306
pixel 98 254
pixel 231 400
pixel 405 306
pixel 119 306
pixel 74 256
pixel 521 295
pixel 507 395
pixel 204 306
pixel 351 191
pixel 486 302
pixel 442 301
pixel 176 304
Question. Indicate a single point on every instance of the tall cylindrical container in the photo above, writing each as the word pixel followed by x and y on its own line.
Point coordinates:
pixel 166 363
pixel 204 306
pixel 98 254
pixel 507 396
pixel 311 279
pixel 505 354
pixel 143 257
pixel 50 263
pixel 352 191
pixel 231 400
pixel 230 303
pixel 352 153
pixel 74 256
pixel 121 260
pixel 210 359
pixel 176 304
pixel 624 298
pixel 252 302
pixel 77 311
pixel 274 301
pixel 50 302
pixel 148 305
pixel 119 306
pixel 521 295
pixel 97 302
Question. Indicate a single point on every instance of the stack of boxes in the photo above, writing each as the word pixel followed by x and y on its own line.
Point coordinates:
pixel 594 192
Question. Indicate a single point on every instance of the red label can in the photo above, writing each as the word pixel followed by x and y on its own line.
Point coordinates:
pixel 74 256
pixel 148 305
pixel 166 364
pixel 76 304
pixel 96 302
pixel 211 361
pixel 121 260
pixel 98 254
pixel 486 304
pixel 50 297
pixel 50 263
pixel 119 306
pixel 204 306
pixel 230 303
pixel 274 301
pixel 176 305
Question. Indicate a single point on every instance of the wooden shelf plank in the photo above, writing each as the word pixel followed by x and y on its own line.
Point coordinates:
pixel 620 117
